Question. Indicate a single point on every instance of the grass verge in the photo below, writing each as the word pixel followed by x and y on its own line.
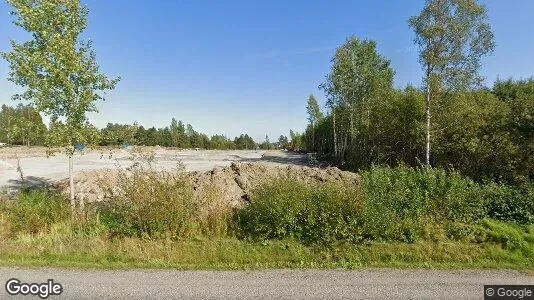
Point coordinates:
pixel 231 254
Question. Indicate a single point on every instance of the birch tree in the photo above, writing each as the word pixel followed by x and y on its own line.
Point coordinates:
pixel 58 70
pixel 452 36
pixel 358 76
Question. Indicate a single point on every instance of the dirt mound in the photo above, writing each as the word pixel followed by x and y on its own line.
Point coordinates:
pixel 239 180
pixel 234 183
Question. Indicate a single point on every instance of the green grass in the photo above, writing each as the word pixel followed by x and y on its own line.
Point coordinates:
pixel 228 254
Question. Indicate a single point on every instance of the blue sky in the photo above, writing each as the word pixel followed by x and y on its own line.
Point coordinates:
pixel 248 66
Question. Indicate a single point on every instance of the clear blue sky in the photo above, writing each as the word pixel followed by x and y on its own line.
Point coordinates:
pixel 248 66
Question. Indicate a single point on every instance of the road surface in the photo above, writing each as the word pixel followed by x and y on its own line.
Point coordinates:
pixel 268 284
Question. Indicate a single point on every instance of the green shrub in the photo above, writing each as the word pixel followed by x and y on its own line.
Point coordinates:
pixel 117 217
pixel 311 213
pixel 147 203
pixel 510 204
pixel 36 211
pixel 466 232
pixel 393 204
pixel 399 201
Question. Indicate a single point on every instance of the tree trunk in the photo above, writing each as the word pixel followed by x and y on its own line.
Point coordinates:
pixel 427 150
pixel 71 182
pixel 313 137
pixel 335 136
pixel 345 146
pixel 351 125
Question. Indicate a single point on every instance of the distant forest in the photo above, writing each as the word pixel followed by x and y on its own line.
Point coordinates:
pixel 23 125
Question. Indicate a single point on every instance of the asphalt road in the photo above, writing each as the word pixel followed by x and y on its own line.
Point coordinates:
pixel 280 284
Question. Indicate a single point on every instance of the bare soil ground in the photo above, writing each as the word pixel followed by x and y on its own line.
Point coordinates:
pixel 234 183
pixel 233 173
pixel 38 168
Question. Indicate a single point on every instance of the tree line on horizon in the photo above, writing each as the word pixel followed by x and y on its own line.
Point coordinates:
pixel 23 125
pixel 452 121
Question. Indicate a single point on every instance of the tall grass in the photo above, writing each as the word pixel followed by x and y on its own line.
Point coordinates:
pixel 146 203
pixel 34 212
pixel 390 207
pixel 151 204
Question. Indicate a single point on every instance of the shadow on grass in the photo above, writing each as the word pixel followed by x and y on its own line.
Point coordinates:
pixel 30 183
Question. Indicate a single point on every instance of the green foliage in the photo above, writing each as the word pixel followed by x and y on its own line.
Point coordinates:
pixel 518 95
pixel 221 142
pixel 178 137
pixel 117 134
pixel 58 71
pixel 244 141
pixel 283 142
pixel 21 125
pixel 358 81
pixel 314 111
pixel 310 213
pixel 393 204
pixel 511 237
pixel 397 217
pixel 396 129
pixel 267 145
pixel 393 134
pixel 399 202
pixel 57 135
pixel 295 143
pixel 175 135
pixel 35 212
pixel 510 204
pixel 445 196
pixel 452 36
pixel 486 135
pixel 146 203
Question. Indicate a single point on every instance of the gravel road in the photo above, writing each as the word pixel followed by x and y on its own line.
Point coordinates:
pixel 268 284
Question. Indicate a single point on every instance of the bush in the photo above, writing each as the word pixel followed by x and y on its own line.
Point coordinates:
pixel 393 204
pixel 35 211
pixel 399 201
pixel 510 204
pixel 311 213
pixel 147 203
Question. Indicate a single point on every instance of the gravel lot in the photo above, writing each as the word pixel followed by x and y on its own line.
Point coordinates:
pixel 41 169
